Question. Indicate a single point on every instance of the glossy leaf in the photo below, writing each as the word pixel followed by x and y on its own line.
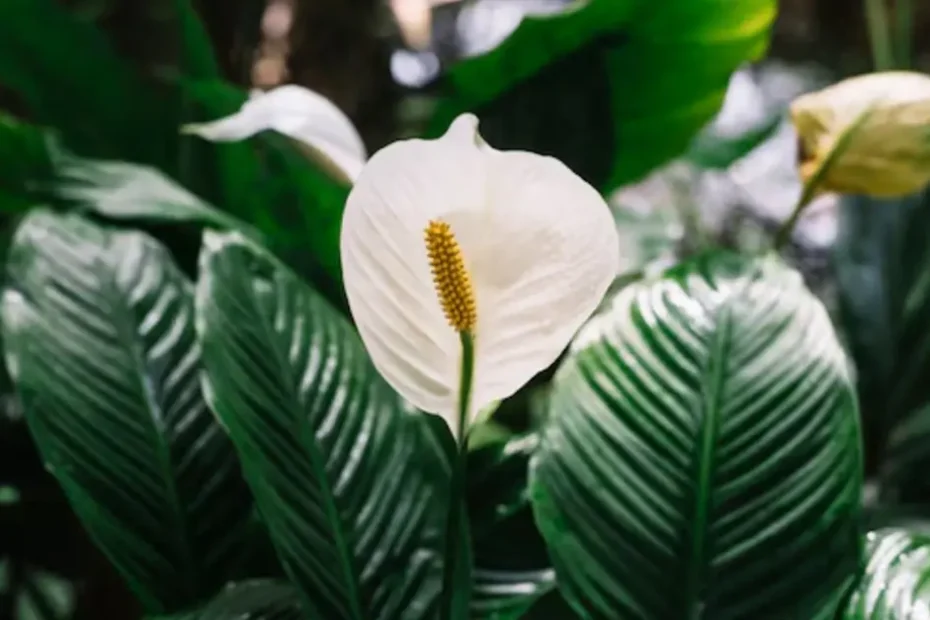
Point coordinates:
pixel 124 191
pixel 255 600
pixel 612 88
pixel 703 434
pixel 896 582
pixel 100 342
pixel 352 487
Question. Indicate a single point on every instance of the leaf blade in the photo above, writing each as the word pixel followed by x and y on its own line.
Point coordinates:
pixel 256 600
pixel 585 61
pixel 106 117
pixel 128 436
pixel 893 586
pixel 721 409
pixel 326 446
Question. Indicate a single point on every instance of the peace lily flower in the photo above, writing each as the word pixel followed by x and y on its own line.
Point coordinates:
pixel 299 113
pixel 873 131
pixel 469 269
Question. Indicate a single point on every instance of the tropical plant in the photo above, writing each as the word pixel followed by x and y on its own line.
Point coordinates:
pixel 236 434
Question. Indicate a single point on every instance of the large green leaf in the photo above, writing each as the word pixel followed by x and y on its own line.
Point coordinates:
pixel 896 583
pixel 611 87
pixel 882 262
pixel 702 453
pixel 352 485
pixel 100 341
pixel 207 170
pixel 124 101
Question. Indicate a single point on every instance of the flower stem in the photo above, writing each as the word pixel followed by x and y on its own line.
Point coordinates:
pixel 468 374
pixel 784 232
pixel 815 181
pixel 455 519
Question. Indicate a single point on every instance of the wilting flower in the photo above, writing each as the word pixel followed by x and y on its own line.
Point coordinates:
pixel 301 114
pixel 450 241
pixel 879 127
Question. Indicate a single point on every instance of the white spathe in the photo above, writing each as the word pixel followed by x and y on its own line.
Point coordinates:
pixel 539 243
pixel 298 113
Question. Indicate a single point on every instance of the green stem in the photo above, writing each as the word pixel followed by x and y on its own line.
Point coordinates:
pixel 468 374
pixel 455 521
pixel 904 31
pixel 876 16
pixel 784 233
pixel 815 181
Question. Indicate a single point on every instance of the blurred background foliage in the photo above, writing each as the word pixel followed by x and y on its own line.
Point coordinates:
pixel 92 93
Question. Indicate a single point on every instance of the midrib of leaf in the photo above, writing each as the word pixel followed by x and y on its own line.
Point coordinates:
pixel 346 560
pixel 124 325
pixel 714 379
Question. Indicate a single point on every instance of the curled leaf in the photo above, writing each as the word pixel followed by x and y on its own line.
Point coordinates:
pixel 888 154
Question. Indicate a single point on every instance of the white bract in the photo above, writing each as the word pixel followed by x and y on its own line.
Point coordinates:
pixel 298 113
pixel 450 235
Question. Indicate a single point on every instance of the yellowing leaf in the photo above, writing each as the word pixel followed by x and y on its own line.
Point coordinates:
pixel 888 152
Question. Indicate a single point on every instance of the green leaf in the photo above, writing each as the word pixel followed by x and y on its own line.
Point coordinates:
pixel 652 72
pixel 100 342
pixel 512 568
pixel 198 59
pixel 351 483
pixel 45 596
pixel 239 170
pixel 896 583
pixel 255 600
pixel 224 174
pixel 703 435
pixel 882 262
pixel 718 152
pixel 121 102
pixel 68 76
pixel 24 164
pixel 126 191
pixel 510 593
